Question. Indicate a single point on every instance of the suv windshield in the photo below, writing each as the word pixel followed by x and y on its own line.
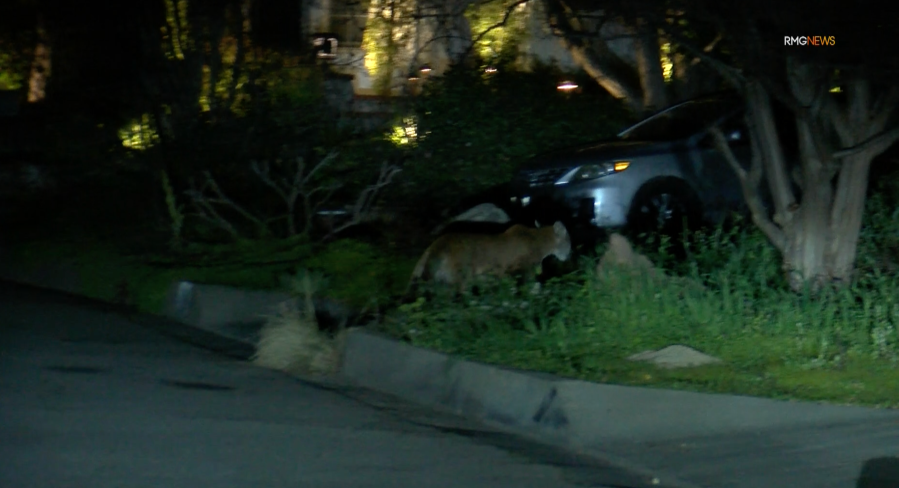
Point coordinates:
pixel 681 121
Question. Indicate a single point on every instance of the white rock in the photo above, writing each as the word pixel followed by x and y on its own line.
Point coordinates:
pixel 676 356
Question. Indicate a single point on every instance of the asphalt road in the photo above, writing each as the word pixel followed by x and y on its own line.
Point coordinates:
pixel 89 398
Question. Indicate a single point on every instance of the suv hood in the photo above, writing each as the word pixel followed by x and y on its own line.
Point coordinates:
pixel 598 151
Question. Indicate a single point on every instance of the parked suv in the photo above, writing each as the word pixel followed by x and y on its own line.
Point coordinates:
pixel 657 173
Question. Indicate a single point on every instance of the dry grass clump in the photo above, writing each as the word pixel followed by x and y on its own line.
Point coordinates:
pixel 291 341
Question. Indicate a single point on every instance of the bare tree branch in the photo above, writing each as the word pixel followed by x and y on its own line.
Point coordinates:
pixel 885 108
pixel 733 75
pixel 809 88
pixel 876 144
pixel 760 122
pixel 608 70
pixel 207 212
pixel 859 93
pixel 321 164
pixel 205 205
pixel 210 195
pixel 367 198
pixel 510 9
pixel 749 183
pixel 837 118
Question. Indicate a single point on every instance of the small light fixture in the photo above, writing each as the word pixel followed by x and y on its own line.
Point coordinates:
pixel 425 68
pixel 325 45
pixel 567 86
pixel 490 69
pixel 413 77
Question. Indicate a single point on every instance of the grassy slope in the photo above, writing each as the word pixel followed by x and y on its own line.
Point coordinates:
pixel 363 271
pixel 788 348
pixel 774 344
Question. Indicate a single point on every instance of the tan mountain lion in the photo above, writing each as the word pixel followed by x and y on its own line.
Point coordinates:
pixel 456 259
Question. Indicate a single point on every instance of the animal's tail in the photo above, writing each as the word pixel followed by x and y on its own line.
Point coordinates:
pixel 417 275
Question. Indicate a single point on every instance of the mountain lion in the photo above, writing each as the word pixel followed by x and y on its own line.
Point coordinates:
pixel 455 259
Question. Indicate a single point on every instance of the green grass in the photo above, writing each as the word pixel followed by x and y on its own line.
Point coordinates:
pixel 587 328
pixel 839 347
pixel 358 272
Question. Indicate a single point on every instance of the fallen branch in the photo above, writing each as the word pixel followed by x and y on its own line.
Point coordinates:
pixel 291 189
pixel 206 205
pixel 209 198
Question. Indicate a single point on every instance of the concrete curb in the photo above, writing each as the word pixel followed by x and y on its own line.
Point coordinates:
pixel 505 397
pixel 588 418
pixel 52 275
pixel 576 415
pixel 229 312
pixel 578 412
pixel 236 313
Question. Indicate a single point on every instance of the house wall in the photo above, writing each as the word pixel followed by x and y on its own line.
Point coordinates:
pixel 347 19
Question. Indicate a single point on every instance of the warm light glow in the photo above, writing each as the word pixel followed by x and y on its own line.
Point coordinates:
pixel 139 134
pixel 490 69
pixel 836 89
pixel 206 89
pixel 567 86
pixel 425 69
pixel 176 31
pixel 404 133
pixel 621 165
pixel 667 59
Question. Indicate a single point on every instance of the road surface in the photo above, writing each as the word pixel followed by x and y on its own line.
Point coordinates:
pixel 89 398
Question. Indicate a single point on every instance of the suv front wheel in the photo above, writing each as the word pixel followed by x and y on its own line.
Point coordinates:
pixel 664 207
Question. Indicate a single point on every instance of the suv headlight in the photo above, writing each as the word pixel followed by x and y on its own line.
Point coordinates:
pixel 593 171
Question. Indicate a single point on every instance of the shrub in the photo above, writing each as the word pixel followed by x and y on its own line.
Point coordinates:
pixel 291 341
pixel 361 274
pixel 473 130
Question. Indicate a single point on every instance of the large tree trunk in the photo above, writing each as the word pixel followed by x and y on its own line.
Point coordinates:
pixel 846 218
pixel 805 258
pixel 818 236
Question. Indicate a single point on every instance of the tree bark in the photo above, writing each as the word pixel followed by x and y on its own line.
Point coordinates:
pixel 846 218
pixel 820 235
pixel 863 128
pixel 760 119
pixel 40 66
pixel 805 254
pixel 649 67
pixel 610 72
